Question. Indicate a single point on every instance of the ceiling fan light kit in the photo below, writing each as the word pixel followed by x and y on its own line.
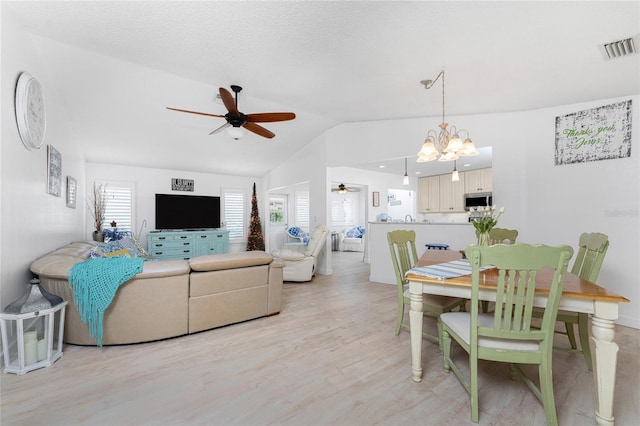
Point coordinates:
pixel 342 189
pixel 445 144
pixel 237 122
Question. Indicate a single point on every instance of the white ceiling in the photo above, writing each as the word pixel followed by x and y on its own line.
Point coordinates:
pixel 329 62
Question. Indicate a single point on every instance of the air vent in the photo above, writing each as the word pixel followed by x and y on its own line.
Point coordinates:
pixel 618 49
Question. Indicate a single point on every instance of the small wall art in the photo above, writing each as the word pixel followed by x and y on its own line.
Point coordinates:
pixel 376 199
pixel 54 171
pixel 595 134
pixel 72 190
pixel 178 184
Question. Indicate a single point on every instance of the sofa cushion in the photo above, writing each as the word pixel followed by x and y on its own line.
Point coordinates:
pixel 216 262
pixel 288 254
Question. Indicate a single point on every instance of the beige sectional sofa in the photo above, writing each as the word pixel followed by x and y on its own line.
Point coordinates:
pixel 170 298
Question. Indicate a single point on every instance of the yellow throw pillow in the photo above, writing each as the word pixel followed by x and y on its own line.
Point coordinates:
pixel 123 252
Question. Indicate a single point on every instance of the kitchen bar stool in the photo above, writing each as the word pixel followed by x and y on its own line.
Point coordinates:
pixel 437 246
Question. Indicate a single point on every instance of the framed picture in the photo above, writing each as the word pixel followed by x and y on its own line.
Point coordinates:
pixel 376 199
pixel 72 189
pixel 54 171
pixel 595 134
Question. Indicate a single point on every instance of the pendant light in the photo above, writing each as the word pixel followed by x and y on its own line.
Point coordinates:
pixel 445 144
pixel 454 175
pixel 405 179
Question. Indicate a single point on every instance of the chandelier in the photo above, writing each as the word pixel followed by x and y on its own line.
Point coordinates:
pixel 444 144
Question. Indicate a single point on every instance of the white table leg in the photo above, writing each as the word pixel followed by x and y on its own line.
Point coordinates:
pixel 604 352
pixel 415 324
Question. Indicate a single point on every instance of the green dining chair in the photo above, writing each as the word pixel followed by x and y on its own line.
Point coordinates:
pixel 506 334
pixel 592 247
pixel 402 245
pixel 500 236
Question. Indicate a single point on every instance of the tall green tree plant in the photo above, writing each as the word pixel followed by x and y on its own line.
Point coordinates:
pixel 255 240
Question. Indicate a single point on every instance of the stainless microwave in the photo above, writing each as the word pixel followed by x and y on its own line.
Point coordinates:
pixel 479 199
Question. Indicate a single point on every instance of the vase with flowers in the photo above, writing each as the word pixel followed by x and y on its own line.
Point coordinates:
pixel 484 219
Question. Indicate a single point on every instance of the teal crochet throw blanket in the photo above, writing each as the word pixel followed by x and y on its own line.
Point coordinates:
pixel 95 282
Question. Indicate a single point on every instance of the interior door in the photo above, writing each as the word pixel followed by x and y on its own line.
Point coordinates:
pixel 278 220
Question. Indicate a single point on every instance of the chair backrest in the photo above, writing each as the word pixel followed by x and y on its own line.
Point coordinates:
pixel 402 245
pixel 316 240
pixel 517 266
pixel 500 236
pixel 591 250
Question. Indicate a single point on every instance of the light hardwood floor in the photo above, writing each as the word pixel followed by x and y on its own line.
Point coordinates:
pixel 329 358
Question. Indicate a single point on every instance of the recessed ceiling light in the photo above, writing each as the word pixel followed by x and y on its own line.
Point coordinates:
pixel 382 166
pixel 466 165
pixel 418 173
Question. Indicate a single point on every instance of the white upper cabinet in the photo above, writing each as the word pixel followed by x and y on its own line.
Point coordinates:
pixel 478 181
pixel 429 194
pixel 452 194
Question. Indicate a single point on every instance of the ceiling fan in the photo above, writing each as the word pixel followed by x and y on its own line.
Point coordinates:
pixel 342 189
pixel 237 119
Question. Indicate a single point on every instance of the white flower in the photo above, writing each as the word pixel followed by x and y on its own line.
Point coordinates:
pixel 501 210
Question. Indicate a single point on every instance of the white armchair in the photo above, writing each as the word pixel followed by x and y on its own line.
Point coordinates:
pixel 352 239
pixel 301 266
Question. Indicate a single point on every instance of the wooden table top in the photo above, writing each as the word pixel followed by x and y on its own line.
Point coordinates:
pixel 574 286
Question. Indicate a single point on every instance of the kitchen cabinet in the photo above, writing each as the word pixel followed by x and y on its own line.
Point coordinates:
pixel 452 194
pixel 480 180
pixel 429 194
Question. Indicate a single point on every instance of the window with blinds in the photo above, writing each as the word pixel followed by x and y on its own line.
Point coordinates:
pixel 234 213
pixel 119 206
pixel 342 211
pixel 302 209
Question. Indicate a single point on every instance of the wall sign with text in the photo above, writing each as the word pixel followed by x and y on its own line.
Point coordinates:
pixel 178 184
pixel 601 133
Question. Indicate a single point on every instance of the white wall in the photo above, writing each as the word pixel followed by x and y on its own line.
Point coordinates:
pixel 308 166
pixel 32 222
pixel 148 182
pixel 375 182
pixel 546 203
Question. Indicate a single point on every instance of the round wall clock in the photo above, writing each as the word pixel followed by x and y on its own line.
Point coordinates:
pixel 30 112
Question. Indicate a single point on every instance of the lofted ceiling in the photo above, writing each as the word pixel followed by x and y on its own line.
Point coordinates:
pixel 118 64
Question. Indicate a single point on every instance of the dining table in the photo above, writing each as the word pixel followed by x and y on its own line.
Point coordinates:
pixel 578 295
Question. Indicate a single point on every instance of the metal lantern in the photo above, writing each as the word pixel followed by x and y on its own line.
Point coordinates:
pixel 32 330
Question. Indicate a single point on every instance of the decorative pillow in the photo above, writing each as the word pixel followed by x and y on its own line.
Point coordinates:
pixel 114 234
pixel 102 249
pixel 294 231
pixel 355 232
pixel 134 246
pixel 124 252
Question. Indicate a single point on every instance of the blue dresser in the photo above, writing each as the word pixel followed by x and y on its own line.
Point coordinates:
pixel 187 244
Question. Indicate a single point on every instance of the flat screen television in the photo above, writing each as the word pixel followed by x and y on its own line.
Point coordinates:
pixel 187 212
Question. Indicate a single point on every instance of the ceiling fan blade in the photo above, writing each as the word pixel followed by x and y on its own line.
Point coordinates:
pixel 227 99
pixel 196 112
pixel 270 117
pixel 350 189
pixel 224 126
pixel 259 130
